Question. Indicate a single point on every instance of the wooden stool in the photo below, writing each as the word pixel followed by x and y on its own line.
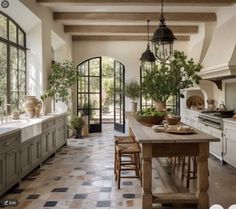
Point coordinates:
pixel 124 150
pixel 191 171
pixel 121 140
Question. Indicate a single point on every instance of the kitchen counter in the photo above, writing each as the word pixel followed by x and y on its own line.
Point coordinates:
pixel 230 120
pixel 27 126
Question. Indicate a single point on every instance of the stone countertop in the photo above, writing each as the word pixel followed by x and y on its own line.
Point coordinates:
pixel 24 122
pixel 230 120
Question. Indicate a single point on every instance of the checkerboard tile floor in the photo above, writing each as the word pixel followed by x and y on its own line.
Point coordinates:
pixel 81 176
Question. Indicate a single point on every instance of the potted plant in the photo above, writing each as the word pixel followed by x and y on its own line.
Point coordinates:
pixel 77 124
pixel 168 79
pixel 132 91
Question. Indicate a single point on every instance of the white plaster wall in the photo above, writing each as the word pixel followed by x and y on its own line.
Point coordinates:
pixel 34 61
pixel 128 53
pixel 48 26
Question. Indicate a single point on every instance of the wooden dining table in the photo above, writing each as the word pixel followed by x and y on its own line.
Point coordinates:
pixel 163 144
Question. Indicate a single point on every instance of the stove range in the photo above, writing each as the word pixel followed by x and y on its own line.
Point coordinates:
pixel 213 119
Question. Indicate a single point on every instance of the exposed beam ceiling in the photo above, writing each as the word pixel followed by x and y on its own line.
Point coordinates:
pixel 125 29
pixel 120 38
pixel 134 16
pixel 173 2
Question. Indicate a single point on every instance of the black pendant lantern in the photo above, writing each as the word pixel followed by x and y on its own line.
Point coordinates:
pixel 148 59
pixel 163 39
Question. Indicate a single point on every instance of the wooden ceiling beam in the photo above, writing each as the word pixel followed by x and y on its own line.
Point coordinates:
pixel 135 16
pixel 126 29
pixel 120 38
pixel 183 2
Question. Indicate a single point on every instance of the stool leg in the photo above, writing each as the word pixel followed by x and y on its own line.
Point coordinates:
pixel 115 161
pixel 188 171
pixel 183 167
pixel 119 170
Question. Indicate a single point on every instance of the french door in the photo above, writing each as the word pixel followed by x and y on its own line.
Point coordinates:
pixel 119 96
pixel 89 94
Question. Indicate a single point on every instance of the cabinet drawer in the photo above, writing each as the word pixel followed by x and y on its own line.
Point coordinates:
pixel 47 125
pixel 60 121
pixel 9 142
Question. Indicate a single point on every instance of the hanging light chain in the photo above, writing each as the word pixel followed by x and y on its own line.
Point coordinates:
pixel 148 32
pixel 162 18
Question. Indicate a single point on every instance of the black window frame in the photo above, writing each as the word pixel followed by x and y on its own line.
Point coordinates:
pixel 18 47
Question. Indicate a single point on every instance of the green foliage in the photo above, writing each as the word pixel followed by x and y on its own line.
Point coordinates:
pixel 77 122
pixel 151 112
pixel 167 79
pixel 109 91
pixel 132 90
pixel 63 76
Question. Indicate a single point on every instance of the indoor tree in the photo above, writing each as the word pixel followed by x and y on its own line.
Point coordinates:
pixel 168 79
pixel 132 91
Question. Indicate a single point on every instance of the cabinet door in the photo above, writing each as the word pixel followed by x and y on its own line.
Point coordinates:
pixel 230 145
pixel 12 168
pixel 36 151
pixel 60 136
pixel 25 158
pixel 51 141
pixel 2 172
pixel 44 145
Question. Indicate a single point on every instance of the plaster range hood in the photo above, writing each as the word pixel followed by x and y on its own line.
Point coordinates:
pixel 220 60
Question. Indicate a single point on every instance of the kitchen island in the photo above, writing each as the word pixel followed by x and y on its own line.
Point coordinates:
pixel 163 144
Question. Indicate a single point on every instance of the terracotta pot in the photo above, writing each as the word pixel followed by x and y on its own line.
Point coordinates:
pixel 79 133
pixel 160 106
pixel 30 112
pixel 38 108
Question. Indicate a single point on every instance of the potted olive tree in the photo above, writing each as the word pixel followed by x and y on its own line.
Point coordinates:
pixel 168 79
pixel 77 124
pixel 132 91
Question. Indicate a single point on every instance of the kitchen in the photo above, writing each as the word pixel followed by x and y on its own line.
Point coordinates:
pixel 42 165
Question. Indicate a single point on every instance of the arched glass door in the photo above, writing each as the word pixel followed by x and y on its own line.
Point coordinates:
pixel 89 93
pixel 119 96
pixel 90 89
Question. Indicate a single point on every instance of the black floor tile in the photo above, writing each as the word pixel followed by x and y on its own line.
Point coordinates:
pixel 129 196
pixel 127 183
pixel 33 197
pixel 87 183
pixel 50 204
pixel 58 178
pixel 105 189
pixel 60 190
pixel 16 191
pixel 103 204
pixel 80 196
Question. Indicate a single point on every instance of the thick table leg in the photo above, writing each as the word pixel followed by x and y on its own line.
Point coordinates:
pixel 147 176
pixel 202 173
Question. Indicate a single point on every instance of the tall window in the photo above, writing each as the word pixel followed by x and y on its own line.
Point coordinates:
pixel 12 62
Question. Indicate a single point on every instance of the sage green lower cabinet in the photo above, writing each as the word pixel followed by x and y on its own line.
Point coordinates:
pixel 18 159
pixel 12 166
pixel 2 173
pixel 36 151
pixel 25 158
pixel 44 145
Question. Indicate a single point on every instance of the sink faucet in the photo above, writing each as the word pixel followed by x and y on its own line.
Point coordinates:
pixel 6 111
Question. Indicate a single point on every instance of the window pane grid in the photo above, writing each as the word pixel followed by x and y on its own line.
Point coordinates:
pixel 13 62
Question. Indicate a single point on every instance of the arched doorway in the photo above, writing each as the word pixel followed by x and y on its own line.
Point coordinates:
pixel 95 97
